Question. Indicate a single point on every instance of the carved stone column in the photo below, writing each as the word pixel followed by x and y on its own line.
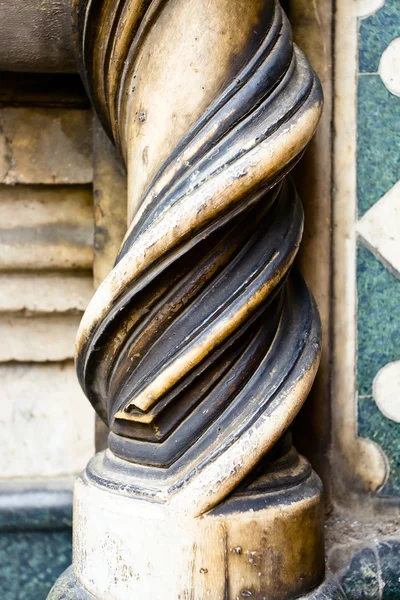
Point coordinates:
pixel 200 347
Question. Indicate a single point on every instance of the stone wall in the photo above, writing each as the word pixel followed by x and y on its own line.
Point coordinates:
pixel 46 281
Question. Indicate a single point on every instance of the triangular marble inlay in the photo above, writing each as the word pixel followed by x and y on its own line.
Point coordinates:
pixel 379 228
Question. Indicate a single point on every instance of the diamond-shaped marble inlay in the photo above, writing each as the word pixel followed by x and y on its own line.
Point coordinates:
pixel 379 228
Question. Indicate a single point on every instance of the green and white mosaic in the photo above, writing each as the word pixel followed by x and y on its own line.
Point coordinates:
pixel 378 256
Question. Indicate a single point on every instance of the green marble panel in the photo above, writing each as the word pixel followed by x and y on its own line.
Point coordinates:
pixel 374 572
pixel 378 141
pixel 376 33
pixel 35 538
pixel 31 561
pixel 378 318
pixel 373 425
pixel 378 345
pixel 389 559
pixel 361 580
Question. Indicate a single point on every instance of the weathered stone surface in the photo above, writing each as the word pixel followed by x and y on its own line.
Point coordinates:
pixel 59 292
pixel 45 145
pixel 46 227
pixel 184 289
pixel 68 588
pixel 110 221
pixel 36 36
pixel 312 26
pixel 46 426
pixel 110 204
pixel 39 338
pixel 226 554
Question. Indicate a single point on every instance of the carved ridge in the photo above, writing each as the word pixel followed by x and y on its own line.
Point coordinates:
pixel 201 345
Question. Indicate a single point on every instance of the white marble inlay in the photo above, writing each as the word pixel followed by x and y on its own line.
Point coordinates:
pixel 386 391
pixel 366 8
pixel 389 67
pixel 380 229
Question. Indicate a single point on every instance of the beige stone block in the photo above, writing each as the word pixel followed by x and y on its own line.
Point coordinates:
pixel 48 227
pixel 45 145
pixel 39 338
pixel 45 292
pixel 46 424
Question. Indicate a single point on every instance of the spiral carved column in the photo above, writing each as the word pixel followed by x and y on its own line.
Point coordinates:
pixel 200 347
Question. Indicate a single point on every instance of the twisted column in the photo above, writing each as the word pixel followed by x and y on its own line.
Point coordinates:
pixel 200 347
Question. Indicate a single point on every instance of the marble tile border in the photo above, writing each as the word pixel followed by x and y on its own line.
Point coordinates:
pixel 357 461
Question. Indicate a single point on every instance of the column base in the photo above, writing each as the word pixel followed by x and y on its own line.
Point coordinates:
pixel 264 541
pixel 68 588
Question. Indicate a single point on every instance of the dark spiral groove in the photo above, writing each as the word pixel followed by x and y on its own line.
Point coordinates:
pixel 202 332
